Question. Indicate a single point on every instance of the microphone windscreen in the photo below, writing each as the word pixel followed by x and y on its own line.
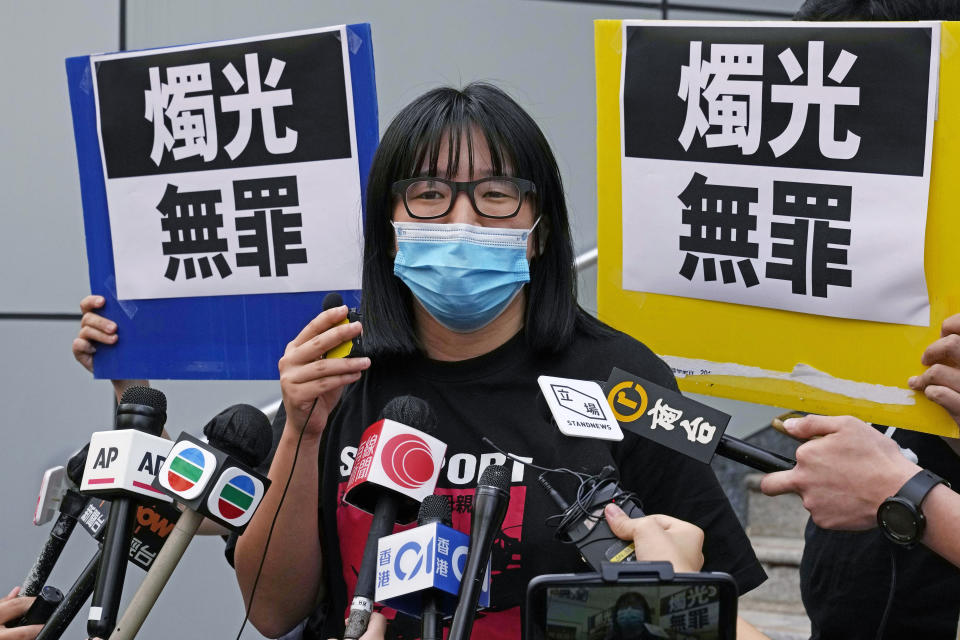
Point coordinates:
pixel 497 476
pixel 76 463
pixel 331 300
pixel 242 431
pixel 411 411
pixel 435 508
pixel 145 396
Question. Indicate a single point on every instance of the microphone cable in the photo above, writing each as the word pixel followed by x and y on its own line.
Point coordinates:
pixel 273 523
pixel 586 504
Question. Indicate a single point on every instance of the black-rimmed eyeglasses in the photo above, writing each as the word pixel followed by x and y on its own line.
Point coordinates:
pixel 494 197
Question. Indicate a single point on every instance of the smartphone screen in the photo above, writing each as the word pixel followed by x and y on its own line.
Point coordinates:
pixel 637 611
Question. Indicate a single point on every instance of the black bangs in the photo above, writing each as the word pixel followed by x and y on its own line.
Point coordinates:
pixel 478 114
pixel 454 120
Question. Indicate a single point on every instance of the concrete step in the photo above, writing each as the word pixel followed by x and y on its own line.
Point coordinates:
pixel 781 516
pixel 777 625
pixel 780 558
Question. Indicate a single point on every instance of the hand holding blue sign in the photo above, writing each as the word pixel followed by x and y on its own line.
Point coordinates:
pixel 95 329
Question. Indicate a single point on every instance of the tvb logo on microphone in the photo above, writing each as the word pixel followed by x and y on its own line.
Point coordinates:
pixel 412 562
pixel 402 459
pixel 211 482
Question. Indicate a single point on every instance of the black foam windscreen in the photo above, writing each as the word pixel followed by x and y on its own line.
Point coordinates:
pixel 435 508
pixel 411 411
pixel 242 431
pixel 145 396
pixel 76 463
pixel 496 475
pixel 331 300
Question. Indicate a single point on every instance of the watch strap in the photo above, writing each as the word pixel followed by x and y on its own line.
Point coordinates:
pixel 916 488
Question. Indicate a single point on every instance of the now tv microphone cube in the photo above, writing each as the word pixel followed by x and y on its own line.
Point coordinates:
pixel 412 562
pixel 401 459
pixel 124 462
pixel 211 482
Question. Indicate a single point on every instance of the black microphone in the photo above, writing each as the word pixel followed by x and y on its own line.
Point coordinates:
pixel 386 501
pixel 71 507
pixel 352 348
pixel 225 490
pixel 141 409
pixel 490 502
pixel 433 509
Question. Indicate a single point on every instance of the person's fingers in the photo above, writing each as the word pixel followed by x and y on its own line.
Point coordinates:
pixel 98 322
pixel 310 390
pixel 938 374
pixel 779 483
pixel 376 628
pixel 21 633
pixel 323 368
pixel 13 593
pixel 946 397
pixel 319 324
pixel 13 608
pixel 95 335
pixel 619 522
pixel 317 346
pixel 812 425
pixel 950 325
pixel 946 350
pixel 91 302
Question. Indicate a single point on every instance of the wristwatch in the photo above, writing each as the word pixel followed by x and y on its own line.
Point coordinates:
pixel 900 517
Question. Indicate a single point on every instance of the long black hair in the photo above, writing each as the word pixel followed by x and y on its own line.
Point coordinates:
pixel 410 146
pixel 878 10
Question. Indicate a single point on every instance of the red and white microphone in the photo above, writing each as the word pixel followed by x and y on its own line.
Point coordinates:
pixel 395 468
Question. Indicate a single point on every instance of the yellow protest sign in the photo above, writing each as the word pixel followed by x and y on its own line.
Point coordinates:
pixel 796 336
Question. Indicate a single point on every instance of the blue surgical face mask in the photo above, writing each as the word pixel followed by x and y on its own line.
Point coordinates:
pixel 463 275
pixel 631 620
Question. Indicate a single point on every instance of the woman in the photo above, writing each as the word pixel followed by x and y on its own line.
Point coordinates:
pixel 629 618
pixel 468 296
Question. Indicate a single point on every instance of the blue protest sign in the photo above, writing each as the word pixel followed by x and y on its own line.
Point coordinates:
pixel 222 188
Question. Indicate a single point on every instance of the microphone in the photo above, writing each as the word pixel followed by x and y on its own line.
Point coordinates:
pixel 141 413
pixel 584 524
pixel 489 508
pixel 395 468
pixel 71 507
pixel 351 348
pixel 419 570
pixel 434 510
pixel 653 412
pixel 216 480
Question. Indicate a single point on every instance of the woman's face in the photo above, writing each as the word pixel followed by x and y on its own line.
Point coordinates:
pixel 462 210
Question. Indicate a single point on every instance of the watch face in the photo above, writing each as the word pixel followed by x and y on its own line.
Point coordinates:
pixel 899 520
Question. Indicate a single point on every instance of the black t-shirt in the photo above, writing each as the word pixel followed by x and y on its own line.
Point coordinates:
pixel 845 576
pixel 495 395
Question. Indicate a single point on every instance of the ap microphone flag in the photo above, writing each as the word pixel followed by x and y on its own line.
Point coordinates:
pixel 399 458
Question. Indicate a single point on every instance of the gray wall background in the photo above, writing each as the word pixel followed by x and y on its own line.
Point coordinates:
pixel 541 51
